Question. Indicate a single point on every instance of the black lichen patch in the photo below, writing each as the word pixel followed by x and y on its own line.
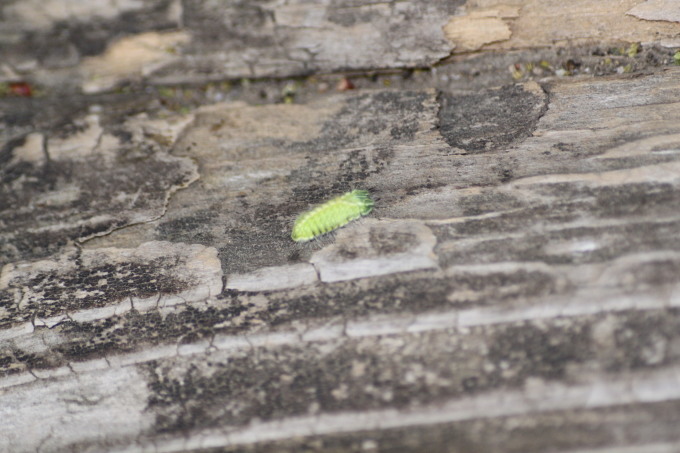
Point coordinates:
pixel 365 131
pixel 345 300
pixel 389 242
pixel 504 288
pixel 489 201
pixel 36 361
pixel 363 117
pixel 57 115
pixel 562 203
pixel 325 177
pixel 349 16
pixel 6 155
pixel 545 232
pixel 11 363
pixel 489 120
pixel 645 341
pixel 126 333
pixel 249 232
pixel 351 299
pixel 570 245
pixel 190 229
pixel 228 26
pixel 641 200
pixel 409 293
pixel 357 374
pixel 651 273
pixel 287 381
pixel 512 221
pixel 51 293
pixel 261 238
pixel 136 330
pixel 47 202
pixel 569 430
pixel 379 119
pixel 530 350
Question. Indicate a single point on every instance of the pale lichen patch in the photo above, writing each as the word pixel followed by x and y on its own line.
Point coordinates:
pixel 376 247
pixel 473 31
pixel 665 10
pixel 273 278
pixel 32 150
pixel 500 24
pixel 85 180
pixel 131 57
pixel 72 284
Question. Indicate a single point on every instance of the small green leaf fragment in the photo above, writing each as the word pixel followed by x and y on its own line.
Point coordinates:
pixel 633 49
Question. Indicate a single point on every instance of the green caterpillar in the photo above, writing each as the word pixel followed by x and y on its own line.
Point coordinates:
pixel 332 215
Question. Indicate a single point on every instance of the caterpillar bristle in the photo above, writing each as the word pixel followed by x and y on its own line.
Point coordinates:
pixel 332 215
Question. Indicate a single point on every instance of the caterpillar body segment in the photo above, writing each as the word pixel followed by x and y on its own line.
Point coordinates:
pixel 332 215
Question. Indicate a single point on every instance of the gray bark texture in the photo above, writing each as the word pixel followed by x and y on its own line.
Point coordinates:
pixel 515 289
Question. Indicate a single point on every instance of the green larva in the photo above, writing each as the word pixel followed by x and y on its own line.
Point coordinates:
pixel 331 215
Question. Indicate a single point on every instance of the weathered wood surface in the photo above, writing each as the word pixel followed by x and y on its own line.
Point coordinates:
pixel 94 45
pixel 517 288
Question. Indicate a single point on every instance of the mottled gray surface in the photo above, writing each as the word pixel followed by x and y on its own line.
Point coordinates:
pixel 516 288
pixel 81 180
pixel 103 45
pixel 55 41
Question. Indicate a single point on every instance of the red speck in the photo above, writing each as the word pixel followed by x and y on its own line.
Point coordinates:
pixel 20 89
pixel 345 84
